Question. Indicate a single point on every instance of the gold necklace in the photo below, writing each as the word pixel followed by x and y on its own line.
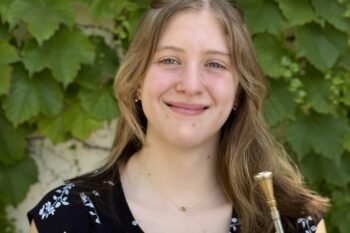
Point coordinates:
pixel 182 208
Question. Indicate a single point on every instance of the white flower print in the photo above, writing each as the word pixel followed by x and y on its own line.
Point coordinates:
pixel 307 224
pixel 95 193
pixel 60 200
pixel 111 183
pixel 134 223
pixel 88 203
pixel 234 225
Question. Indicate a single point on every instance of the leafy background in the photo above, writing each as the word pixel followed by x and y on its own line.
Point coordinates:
pixel 56 76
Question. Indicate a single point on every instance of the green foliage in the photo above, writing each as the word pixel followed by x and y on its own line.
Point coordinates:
pixel 56 78
pixel 11 143
pixel 306 55
pixel 63 54
pixel 15 180
pixel 42 17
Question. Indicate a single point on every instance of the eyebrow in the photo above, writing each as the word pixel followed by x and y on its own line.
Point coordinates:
pixel 210 51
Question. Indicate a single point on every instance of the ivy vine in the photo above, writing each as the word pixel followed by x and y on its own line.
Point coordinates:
pixel 56 75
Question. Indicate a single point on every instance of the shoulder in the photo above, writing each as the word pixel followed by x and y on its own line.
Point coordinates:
pixel 308 223
pixel 67 208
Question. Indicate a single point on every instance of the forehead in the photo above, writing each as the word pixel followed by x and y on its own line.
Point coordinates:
pixel 195 29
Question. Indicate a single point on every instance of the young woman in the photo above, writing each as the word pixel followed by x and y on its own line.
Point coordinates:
pixel 190 138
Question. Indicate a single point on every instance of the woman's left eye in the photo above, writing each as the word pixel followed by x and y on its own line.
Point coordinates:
pixel 215 65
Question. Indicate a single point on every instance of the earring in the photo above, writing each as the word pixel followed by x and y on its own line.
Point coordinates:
pixel 235 106
pixel 137 96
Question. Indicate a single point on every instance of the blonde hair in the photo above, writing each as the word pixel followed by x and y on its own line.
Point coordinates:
pixel 246 146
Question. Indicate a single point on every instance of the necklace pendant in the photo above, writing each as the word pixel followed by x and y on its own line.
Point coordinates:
pixel 183 208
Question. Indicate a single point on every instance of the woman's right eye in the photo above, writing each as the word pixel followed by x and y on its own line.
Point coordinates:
pixel 169 61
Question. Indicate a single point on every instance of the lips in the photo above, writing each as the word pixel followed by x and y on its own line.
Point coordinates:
pixel 188 109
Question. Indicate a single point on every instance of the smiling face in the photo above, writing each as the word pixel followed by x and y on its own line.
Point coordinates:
pixel 189 89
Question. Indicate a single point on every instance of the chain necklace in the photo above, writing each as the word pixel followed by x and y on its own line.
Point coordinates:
pixel 183 208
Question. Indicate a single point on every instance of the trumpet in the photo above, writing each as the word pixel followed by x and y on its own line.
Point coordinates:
pixel 265 182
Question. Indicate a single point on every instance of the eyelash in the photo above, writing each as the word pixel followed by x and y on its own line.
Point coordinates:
pixel 172 61
pixel 216 65
pixel 169 61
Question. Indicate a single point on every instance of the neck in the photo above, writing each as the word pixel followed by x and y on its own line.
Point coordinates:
pixel 183 171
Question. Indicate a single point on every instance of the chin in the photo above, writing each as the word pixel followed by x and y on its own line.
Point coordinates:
pixel 189 140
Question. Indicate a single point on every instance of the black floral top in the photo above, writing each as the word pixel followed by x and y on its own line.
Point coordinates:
pixel 67 209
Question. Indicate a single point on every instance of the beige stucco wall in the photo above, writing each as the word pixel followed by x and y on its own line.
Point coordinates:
pixel 57 163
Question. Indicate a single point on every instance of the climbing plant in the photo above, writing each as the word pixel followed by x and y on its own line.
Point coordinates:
pixel 58 59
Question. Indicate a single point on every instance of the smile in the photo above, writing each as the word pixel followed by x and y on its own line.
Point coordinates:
pixel 186 108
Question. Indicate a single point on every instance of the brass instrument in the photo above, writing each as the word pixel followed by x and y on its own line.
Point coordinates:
pixel 265 182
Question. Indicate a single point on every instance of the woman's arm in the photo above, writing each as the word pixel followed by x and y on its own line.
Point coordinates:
pixel 321 227
pixel 33 228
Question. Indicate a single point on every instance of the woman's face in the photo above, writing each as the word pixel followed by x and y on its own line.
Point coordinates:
pixel 189 89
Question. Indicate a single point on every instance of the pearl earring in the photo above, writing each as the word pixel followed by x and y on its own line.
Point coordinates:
pixel 137 96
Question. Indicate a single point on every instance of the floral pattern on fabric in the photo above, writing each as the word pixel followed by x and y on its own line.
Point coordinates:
pixel 234 226
pixel 307 224
pixel 134 223
pixel 64 196
pixel 92 210
pixel 61 199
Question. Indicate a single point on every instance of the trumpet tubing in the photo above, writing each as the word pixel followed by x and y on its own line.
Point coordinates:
pixel 264 180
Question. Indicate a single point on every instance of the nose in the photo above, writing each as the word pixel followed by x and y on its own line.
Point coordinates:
pixel 190 81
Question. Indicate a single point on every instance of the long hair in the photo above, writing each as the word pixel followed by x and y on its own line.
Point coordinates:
pixel 246 146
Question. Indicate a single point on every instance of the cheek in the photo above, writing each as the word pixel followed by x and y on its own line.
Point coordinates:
pixel 223 91
pixel 156 82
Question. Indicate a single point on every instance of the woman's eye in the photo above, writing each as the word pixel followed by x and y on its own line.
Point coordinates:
pixel 169 61
pixel 215 65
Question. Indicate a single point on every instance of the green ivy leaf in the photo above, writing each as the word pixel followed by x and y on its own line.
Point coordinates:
pixel 318 92
pixel 4 35
pixel 5 74
pixel 11 143
pixel 49 93
pixel 321 133
pixel 23 101
pixel 99 104
pixel 144 4
pixel 54 128
pixel 321 46
pixel 5 223
pixel 106 61
pixel 15 180
pixel 63 54
pixel 318 168
pixel 340 217
pixel 270 53
pixel 4 6
pixel 340 214
pixel 262 16
pixel 8 53
pixel 280 105
pixel 105 9
pixel 29 96
pixel 89 77
pixel 79 123
pixel 333 12
pixel 347 141
pixel 104 68
pixel 305 13
pixel 43 17
pixel 345 60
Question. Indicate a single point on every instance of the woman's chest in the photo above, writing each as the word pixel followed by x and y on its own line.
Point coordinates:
pixel 213 220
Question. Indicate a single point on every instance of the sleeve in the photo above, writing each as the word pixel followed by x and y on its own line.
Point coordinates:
pixel 308 224
pixel 61 210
